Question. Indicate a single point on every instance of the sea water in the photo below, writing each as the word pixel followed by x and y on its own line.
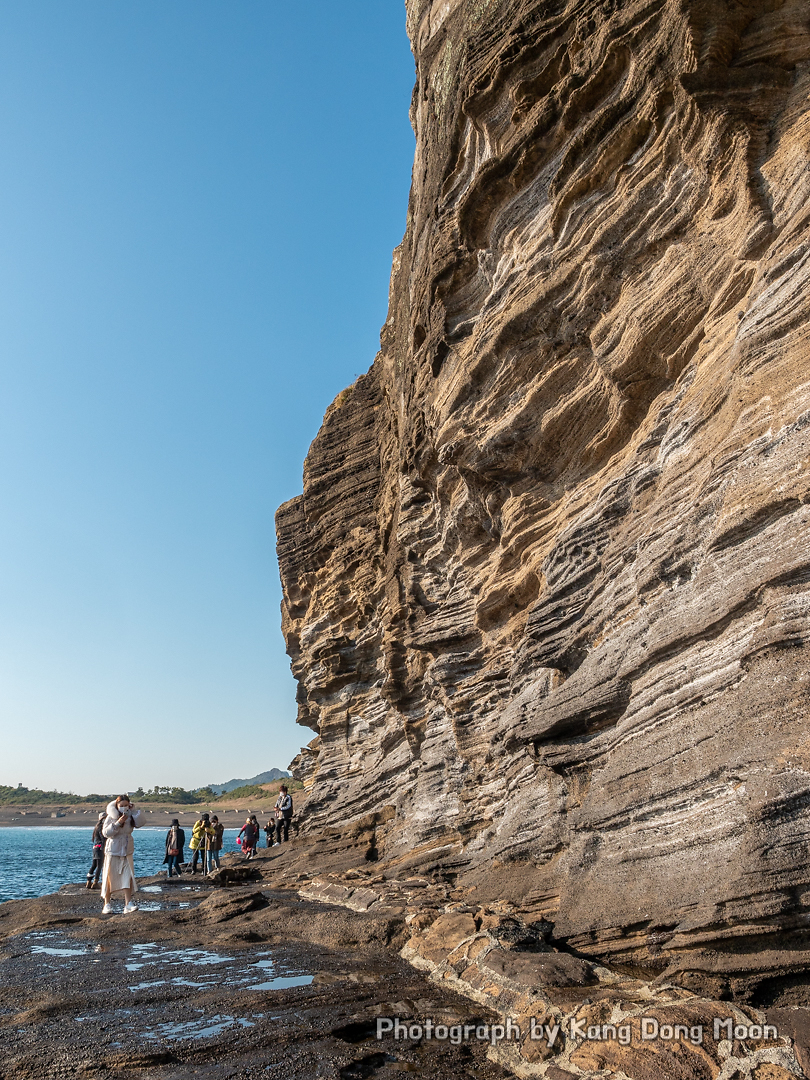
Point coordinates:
pixel 35 860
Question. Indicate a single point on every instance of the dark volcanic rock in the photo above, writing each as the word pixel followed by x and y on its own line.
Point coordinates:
pixel 232 875
pixel 541 969
pixel 547 588
pixel 795 1023
pixel 223 906
pixel 167 995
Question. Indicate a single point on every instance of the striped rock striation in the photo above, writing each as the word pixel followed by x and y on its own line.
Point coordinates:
pixel 547 588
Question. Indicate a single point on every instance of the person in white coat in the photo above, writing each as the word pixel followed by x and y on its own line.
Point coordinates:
pixel 118 876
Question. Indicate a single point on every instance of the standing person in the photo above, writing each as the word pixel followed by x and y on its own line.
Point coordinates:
pixel 284 813
pixel 270 831
pixel 250 835
pixel 98 853
pixel 213 844
pixel 118 877
pixel 175 842
pixel 197 843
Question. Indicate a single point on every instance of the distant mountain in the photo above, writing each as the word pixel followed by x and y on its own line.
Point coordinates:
pixel 262 778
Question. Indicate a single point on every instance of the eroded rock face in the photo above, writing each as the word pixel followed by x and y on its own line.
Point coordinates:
pixel 547 589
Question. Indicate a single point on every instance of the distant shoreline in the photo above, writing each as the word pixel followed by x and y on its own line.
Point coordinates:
pixel 156 815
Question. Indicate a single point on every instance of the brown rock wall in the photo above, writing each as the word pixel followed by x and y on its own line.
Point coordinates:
pixel 547 589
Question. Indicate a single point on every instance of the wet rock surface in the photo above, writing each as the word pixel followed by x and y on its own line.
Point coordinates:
pixel 294 972
pixel 244 984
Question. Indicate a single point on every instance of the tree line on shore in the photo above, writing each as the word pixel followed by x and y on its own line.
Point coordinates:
pixel 23 796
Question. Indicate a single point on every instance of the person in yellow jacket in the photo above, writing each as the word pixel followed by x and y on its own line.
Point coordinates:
pixel 197 843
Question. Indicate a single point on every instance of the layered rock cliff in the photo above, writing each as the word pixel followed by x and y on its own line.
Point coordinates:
pixel 547 588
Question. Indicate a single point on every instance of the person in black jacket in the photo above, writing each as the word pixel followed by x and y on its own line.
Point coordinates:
pixel 94 873
pixel 175 841
pixel 284 813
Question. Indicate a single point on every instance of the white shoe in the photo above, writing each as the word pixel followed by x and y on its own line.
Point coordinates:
pixel 131 906
pixel 107 909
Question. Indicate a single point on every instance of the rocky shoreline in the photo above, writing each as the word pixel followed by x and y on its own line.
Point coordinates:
pixel 213 980
pixel 272 966
pixel 571 1015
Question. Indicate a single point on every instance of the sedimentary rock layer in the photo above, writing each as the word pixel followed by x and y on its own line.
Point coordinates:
pixel 547 588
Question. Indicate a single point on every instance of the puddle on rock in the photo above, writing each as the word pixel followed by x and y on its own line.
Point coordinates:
pixel 58 952
pixel 260 974
pixel 57 945
pixel 191 968
pixel 170 887
pixel 167 905
pixel 282 982
pixel 197 985
pixel 202 1028
pixel 152 953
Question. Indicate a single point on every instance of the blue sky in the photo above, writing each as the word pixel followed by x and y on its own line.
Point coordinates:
pixel 198 205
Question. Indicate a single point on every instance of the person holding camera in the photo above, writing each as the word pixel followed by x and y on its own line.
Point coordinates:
pixel 197 843
pixel 118 876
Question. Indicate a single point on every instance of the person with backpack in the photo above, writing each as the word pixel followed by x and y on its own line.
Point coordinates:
pixel 213 844
pixel 175 842
pixel 94 873
pixel 284 813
